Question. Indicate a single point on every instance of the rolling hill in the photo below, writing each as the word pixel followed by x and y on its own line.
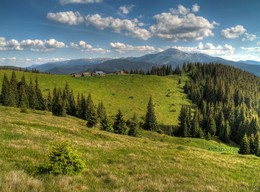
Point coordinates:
pixel 151 162
pixel 130 93
pixel 170 56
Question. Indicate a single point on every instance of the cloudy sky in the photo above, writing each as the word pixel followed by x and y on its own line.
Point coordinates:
pixel 39 31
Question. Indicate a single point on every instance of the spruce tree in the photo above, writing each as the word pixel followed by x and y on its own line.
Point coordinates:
pixel 71 108
pixel 195 128
pixel 150 118
pixel 40 105
pixel 91 113
pixel 211 126
pixel 5 91
pixel 252 143
pixel 101 111
pixel 183 129
pixel 225 134
pixel 13 91
pixel 244 146
pixel 48 102
pixel 104 124
pixel 23 102
pixel 256 144
pixel 32 97
pixel 119 124
pixel 133 126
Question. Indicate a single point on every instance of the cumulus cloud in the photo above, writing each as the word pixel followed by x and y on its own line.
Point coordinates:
pixel 209 49
pixel 125 9
pixel 233 32
pixel 64 2
pixel 85 47
pixel 12 44
pixel 182 25
pixel 34 45
pixel 121 48
pixel 42 45
pixel 129 27
pixel 249 37
pixel 69 17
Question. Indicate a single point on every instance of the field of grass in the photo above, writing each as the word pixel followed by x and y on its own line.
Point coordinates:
pixel 130 93
pixel 151 162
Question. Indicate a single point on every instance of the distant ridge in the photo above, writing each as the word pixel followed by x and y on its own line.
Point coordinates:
pixel 170 56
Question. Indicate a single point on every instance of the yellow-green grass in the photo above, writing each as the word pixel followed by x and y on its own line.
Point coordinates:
pixel 130 93
pixel 151 162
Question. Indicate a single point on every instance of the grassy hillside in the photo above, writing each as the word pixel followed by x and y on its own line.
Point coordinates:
pixel 151 162
pixel 130 93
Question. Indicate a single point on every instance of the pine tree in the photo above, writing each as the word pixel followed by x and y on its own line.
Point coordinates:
pixel 119 124
pixel 5 91
pixel 101 111
pixel 48 102
pixel 195 128
pixel 71 108
pixel 183 127
pixel 23 103
pixel 150 118
pixel 91 113
pixel 32 97
pixel 104 124
pixel 58 104
pixel 40 105
pixel 211 126
pixel 133 126
pixel 244 146
pixel 256 144
pixel 252 143
pixel 90 107
pixel 13 91
pixel 225 134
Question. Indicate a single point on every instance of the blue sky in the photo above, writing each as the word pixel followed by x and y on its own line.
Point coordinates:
pixel 39 31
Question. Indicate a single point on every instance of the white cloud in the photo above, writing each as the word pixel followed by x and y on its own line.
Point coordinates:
pixel 42 45
pixel 125 9
pixel 258 43
pixel 64 2
pixel 182 25
pixel 121 48
pixel 209 49
pixel 69 17
pixel 195 8
pixel 130 27
pixel 33 45
pixel 12 44
pixel 255 50
pixel 85 47
pixel 249 37
pixel 233 32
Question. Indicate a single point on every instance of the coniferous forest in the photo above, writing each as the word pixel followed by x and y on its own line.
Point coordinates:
pixel 227 104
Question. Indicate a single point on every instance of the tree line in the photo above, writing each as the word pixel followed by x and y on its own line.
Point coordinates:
pixel 62 102
pixel 228 101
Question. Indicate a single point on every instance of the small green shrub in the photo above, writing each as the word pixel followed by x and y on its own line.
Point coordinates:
pixel 63 160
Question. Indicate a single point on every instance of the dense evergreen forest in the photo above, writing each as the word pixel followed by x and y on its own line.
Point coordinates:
pixel 227 100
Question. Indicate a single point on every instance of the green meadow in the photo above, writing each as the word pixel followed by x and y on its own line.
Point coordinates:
pixel 130 93
pixel 150 162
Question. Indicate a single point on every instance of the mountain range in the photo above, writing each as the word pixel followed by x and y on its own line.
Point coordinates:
pixel 170 56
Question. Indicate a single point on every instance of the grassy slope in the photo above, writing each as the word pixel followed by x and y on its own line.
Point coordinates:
pixel 151 162
pixel 115 91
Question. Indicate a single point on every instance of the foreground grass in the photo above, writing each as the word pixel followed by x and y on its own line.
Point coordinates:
pixel 151 162
pixel 130 93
